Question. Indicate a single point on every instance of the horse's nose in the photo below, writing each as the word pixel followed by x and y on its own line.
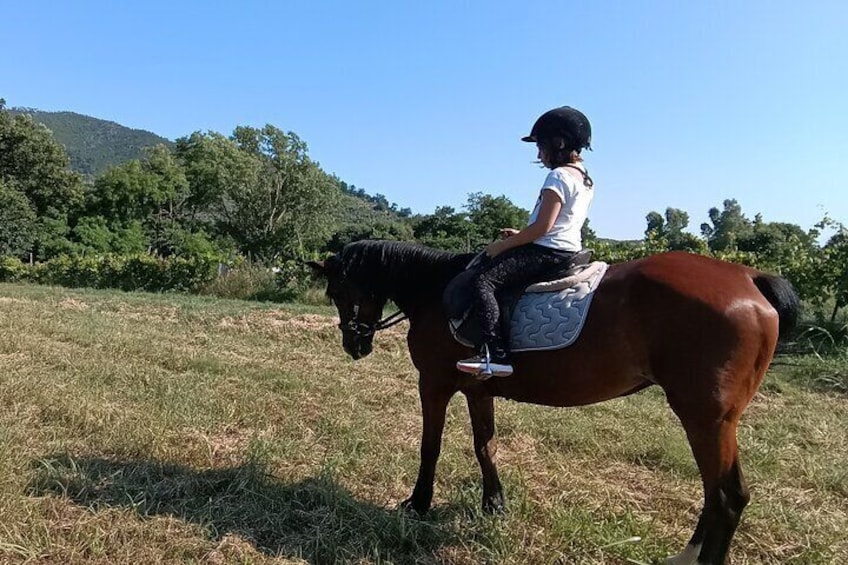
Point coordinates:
pixel 351 350
pixel 357 347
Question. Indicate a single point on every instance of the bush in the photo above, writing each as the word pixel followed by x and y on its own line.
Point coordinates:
pixel 293 279
pixel 131 272
pixel 142 271
pixel 245 282
pixel 287 282
pixel 13 270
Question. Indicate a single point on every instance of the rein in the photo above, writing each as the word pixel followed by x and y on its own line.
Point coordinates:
pixel 365 329
pixel 390 321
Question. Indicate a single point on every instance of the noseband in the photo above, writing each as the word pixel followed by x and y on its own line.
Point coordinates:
pixel 367 329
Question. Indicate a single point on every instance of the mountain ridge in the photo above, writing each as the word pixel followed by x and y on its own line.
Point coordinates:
pixel 94 144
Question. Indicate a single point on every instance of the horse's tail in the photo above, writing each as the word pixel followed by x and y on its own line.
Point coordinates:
pixel 782 296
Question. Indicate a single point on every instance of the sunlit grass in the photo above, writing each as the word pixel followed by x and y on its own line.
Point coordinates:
pixel 141 428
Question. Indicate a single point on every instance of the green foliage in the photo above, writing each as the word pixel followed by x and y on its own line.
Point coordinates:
pixel 13 269
pixel 377 202
pixel 668 233
pixel 94 145
pixel 588 235
pixel 36 165
pixel 174 239
pixel 357 217
pixel 53 237
pixel 481 222
pixel 245 282
pixel 213 165
pixel 489 215
pixel 292 279
pixel 253 281
pixel 262 190
pixel 729 225
pixel 380 229
pixel 138 190
pixel 612 251
pixel 18 222
pixel 94 235
pixel 125 272
pixel 446 229
pixel 834 265
pixel 33 164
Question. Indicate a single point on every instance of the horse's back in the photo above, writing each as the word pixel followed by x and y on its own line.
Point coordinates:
pixel 691 275
pixel 662 319
pixel 701 318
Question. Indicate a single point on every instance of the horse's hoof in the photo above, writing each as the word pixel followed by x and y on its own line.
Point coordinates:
pixel 688 556
pixel 494 504
pixel 409 505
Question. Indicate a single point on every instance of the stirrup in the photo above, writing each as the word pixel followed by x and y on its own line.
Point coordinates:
pixel 483 367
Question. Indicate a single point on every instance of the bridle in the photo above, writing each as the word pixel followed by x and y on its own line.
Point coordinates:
pixel 368 329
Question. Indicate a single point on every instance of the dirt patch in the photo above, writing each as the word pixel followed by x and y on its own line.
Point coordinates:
pixel 312 322
pixel 163 314
pixel 69 303
pixel 10 300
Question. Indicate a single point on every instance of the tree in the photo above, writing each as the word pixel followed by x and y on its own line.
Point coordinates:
pixel 95 234
pixel 777 245
pixel 281 207
pixel 368 230
pixel 18 222
pixel 141 200
pixel 445 228
pixel 213 165
pixel 833 271
pixel 139 189
pixel 728 227
pixel 588 235
pixel 37 167
pixel 668 233
pixel 490 214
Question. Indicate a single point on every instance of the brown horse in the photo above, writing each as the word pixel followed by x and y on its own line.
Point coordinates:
pixel 702 329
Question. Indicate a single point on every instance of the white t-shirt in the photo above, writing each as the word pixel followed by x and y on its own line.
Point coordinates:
pixel 576 199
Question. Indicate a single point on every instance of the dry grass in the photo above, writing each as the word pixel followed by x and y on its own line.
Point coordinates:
pixel 170 429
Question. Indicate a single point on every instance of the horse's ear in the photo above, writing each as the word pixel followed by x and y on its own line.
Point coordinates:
pixel 318 267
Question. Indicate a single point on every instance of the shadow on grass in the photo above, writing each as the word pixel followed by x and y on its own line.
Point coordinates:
pixel 315 519
pixel 818 375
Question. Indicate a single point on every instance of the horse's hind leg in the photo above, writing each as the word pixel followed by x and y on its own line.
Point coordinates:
pixel 482 411
pixel 714 446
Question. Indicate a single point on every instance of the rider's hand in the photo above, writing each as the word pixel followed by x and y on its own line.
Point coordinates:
pixel 495 248
pixel 508 232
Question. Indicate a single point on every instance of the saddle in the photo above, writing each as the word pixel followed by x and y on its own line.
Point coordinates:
pixel 457 298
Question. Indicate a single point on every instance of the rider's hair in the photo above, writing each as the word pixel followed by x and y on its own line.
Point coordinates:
pixel 557 151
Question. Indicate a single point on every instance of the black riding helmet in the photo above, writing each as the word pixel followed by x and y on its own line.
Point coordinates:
pixel 565 122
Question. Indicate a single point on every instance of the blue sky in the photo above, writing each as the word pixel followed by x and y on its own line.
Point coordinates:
pixel 691 102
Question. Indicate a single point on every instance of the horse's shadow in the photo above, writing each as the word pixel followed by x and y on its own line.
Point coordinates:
pixel 315 519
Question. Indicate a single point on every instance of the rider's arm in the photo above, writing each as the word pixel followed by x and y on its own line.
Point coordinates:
pixel 548 211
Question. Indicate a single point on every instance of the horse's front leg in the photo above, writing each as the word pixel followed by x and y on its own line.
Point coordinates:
pixel 434 403
pixel 481 407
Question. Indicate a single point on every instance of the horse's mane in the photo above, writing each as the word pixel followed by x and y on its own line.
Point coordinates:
pixel 399 269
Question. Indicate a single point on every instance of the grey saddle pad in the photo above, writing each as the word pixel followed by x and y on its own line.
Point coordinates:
pixel 548 315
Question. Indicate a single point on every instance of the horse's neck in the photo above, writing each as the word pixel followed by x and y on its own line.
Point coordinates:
pixel 421 286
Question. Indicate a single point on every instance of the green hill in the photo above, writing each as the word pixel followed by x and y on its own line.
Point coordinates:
pixel 92 144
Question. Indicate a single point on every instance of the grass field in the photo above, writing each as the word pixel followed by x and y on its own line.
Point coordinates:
pixel 172 429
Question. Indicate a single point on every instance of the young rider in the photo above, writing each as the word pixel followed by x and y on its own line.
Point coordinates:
pixel 550 240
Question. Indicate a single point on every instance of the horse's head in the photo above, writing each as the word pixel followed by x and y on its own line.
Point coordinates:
pixel 359 308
